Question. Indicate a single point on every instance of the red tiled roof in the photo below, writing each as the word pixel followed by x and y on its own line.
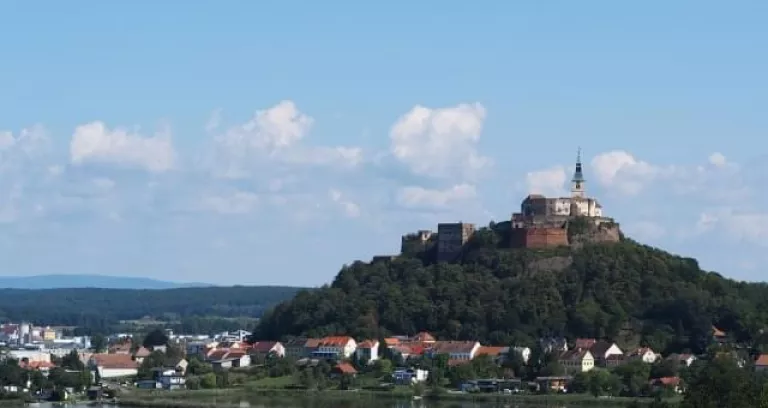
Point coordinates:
pixel 335 341
pixel 448 347
pixel 346 368
pixel 585 344
pixel 668 381
pixel 717 332
pixel 391 341
pixel 217 354
pixel 424 337
pixel 574 355
pixel 36 365
pixel 490 350
pixel 313 343
pixel 142 352
pixel 263 346
pixel 367 344
pixel 762 360
pixel 114 361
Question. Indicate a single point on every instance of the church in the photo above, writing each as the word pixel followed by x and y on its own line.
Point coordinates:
pixel 538 209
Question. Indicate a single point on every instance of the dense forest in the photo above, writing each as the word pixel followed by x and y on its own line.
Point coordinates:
pixel 101 309
pixel 625 291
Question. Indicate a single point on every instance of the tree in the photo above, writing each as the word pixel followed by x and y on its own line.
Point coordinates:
pixel 587 291
pixel 155 338
pixel 722 383
pixel 98 343
pixel 382 367
pixel 208 381
pixel 71 361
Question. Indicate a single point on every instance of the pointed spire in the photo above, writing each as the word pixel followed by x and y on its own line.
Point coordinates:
pixel 578 176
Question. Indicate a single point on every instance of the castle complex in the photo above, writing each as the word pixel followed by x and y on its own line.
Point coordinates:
pixel 541 223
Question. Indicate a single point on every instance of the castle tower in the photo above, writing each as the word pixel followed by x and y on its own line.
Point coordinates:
pixel 577 182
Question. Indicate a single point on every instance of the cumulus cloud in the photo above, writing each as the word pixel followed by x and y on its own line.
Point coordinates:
pixel 745 226
pixel 621 170
pixel 273 135
pixel 420 197
pixel 440 142
pixel 95 142
pixel 549 182
pixel 350 208
pixel 717 159
pixel 29 144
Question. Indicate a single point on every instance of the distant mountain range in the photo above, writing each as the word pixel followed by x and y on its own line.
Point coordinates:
pixel 90 281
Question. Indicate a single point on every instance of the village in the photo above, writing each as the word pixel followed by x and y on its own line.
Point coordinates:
pixel 233 359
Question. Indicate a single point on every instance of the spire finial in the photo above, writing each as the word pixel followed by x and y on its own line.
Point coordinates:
pixel 578 175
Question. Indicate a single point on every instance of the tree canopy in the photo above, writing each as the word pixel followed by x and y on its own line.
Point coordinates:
pixel 100 309
pixel 624 291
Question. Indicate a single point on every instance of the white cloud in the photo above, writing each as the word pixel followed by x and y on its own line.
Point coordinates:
pixel 30 143
pixel 745 226
pixel 94 142
pixel 271 129
pixel 718 160
pixel 620 170
pixel 350 208
pixel 440 142
pixel 416 197
pixel 548 182
pixel 239 202
pixel 273 135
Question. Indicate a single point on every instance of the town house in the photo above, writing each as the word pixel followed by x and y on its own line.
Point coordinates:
pixel 577 361
pixel 335 347
pixel 368 350
pixel 456 350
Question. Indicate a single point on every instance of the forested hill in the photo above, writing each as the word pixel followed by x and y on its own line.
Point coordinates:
pixel 100 308
pixel 623 291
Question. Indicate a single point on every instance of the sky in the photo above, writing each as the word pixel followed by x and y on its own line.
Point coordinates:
pixel 245 142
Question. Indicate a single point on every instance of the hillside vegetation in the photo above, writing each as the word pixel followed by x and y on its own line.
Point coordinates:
pixel 99 309
pixel 624 291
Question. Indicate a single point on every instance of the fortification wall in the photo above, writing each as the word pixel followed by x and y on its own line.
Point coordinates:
pixel 607 232
pixel 538 237
pixel 545 237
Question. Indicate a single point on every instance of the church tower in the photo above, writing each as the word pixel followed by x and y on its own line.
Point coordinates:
pixel 577 182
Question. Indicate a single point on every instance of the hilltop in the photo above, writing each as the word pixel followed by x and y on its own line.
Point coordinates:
pixel 617 289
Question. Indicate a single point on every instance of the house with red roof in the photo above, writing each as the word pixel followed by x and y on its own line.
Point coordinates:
pixel 671 383
pixel 113 365
pixel 761 363
pixel 456 350
pixel 584 344
pixel 577 361
pixel 343 369
pixel 229 358
pixel 335 347
pixel 368 350
pixel 262 349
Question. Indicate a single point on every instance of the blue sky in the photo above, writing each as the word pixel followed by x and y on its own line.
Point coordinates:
pixel 243 142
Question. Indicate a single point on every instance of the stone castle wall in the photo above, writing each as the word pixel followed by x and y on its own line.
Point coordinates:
pixel 538 237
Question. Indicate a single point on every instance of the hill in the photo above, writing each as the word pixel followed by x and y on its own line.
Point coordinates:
pixel 624 291
pixel 101 309
pixel 89 281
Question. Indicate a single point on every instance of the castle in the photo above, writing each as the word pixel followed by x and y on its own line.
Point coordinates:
pixel 542 222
